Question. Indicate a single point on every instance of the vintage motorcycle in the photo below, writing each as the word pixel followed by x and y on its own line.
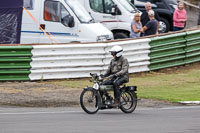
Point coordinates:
pixel 101 96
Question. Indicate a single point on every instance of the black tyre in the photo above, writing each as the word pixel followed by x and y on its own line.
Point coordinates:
pixel 164 25
pixel 128 101
pixel 88 101
pixel 120 35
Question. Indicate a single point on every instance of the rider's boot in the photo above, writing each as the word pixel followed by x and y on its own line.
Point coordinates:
pixel 115 104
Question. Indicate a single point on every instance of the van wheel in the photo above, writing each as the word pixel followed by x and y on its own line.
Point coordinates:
pixel 164 26
pixel 120 35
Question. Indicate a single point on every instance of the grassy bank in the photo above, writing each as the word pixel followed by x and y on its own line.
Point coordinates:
pixel 172 87
pixel 175 84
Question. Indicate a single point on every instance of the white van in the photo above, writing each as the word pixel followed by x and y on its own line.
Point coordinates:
pixel 64 20
pixel 116 15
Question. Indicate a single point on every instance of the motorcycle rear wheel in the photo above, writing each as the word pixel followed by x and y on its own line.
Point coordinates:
pixel 88 101
pixel 128 101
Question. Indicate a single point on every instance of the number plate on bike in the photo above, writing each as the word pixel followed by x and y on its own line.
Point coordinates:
pixel 96 86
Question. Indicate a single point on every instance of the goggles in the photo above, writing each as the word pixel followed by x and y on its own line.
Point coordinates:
pixel 113 53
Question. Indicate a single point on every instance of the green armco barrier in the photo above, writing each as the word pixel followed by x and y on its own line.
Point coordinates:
pixel 193 46
pixel 167 64
pixel 167 39
pixel 15 51
pixel 13 75
pixel 167 51
pixel 15 62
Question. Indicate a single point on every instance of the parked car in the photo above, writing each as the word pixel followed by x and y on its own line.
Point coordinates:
pixel 165 10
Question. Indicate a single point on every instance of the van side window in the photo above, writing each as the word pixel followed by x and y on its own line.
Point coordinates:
pixel 28 4
pixel 51 11
pixel 56 12
pixel 102 6
pixel 64 12
pixel 97 5
pixel 108 6
pixel 65 16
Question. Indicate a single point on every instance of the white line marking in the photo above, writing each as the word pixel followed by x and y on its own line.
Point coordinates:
pixel 189 102
pixel 170 108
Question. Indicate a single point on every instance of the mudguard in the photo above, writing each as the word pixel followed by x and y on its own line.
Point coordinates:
pixel 131 88
pixel 89 88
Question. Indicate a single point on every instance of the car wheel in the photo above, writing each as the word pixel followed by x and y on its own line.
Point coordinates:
pixel 164 26
pixel 120 35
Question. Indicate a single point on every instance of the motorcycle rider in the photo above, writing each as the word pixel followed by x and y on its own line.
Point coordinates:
pixel 117 72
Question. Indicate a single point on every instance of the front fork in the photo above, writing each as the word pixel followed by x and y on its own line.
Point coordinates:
pixel 99 100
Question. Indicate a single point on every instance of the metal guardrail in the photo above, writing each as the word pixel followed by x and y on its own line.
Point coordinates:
pixel 38 62
pixel 15 62
pixel 66 61
pixel 193 46
pixel 174 50
pixel 77 60
pixel 167 51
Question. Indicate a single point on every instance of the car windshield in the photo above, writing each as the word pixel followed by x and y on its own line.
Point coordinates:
pixel 172 2
pixel 127 6
pixel 79 10
pixel 133 6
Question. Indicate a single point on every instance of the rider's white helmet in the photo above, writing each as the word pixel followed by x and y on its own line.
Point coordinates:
pixel 117 51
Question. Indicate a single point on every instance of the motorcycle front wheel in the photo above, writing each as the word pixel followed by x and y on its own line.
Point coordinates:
pixel 88 101
pixel 128 101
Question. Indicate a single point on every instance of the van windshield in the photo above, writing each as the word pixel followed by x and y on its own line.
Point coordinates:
pixel 127 6
pixel 80 11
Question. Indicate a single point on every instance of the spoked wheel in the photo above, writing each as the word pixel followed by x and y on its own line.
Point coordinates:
pixel 128 101
pixel 88 101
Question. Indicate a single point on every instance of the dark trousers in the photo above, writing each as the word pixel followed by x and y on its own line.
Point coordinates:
pixel 177 28
pixel 116 82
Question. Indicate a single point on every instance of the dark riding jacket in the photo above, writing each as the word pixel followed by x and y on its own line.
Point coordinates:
pixel 118 66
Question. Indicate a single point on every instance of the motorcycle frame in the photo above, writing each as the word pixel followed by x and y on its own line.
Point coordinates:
pixel 100 103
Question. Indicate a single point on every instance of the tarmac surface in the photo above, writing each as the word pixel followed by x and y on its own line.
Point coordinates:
pixel 174 119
